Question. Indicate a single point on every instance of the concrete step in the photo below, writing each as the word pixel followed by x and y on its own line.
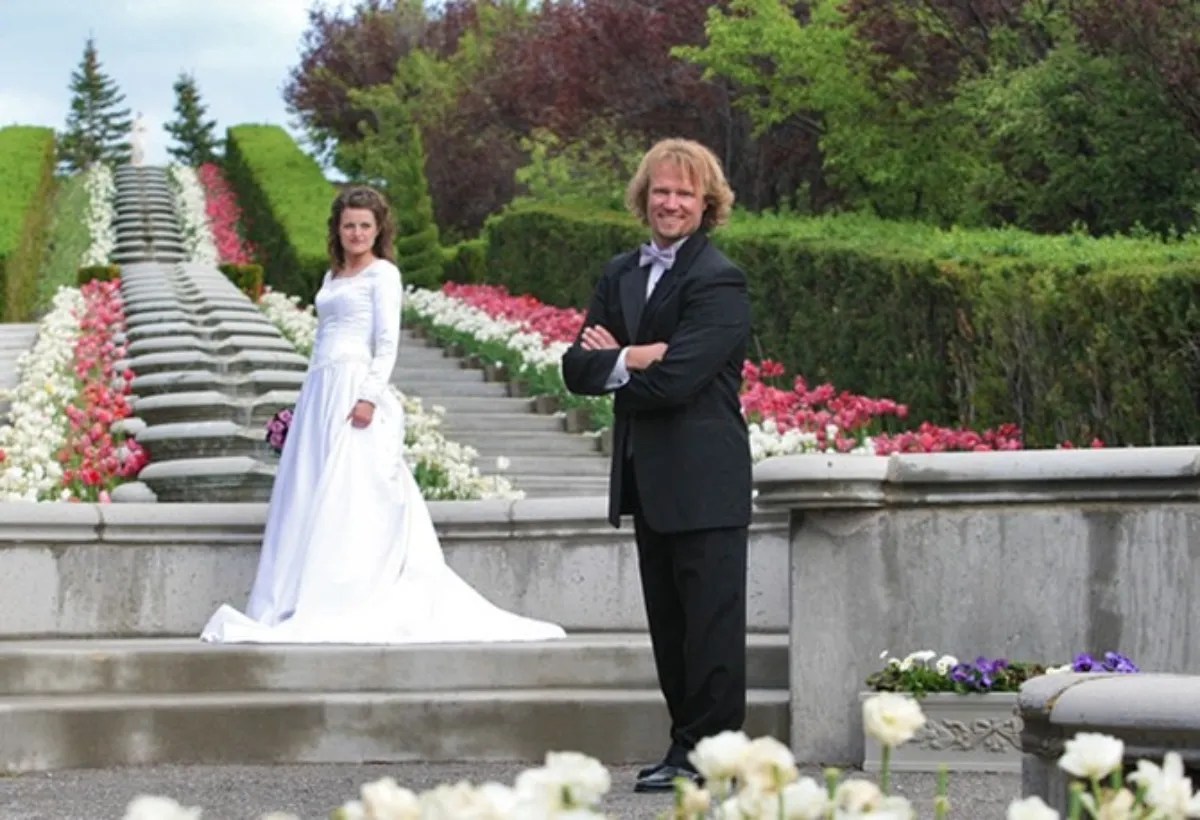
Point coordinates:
pixel 497 424
pixel 615 660
pixel 564 465
pixel 558 486
pixel 480 405
pixel 431 389
pixel 405 374
pixel 532 444
pixel 615 726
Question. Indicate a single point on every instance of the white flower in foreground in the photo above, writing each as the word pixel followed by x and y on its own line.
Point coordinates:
pixel 1091 756
pixel 279 815
pixel 150 807
pixel 767 765
pixel 1058 670
pixel 502 463
pixel 806 799
pixel 465 802
pixel 892 718
pixel 1031 808
pixel 383 799
pixel 945 663
pixel 1167 789
pixel 924 656
pixel 857 795
pixel 569 780
pixel 891 808
pixel 1116 806
pixel 719 758
pixel 693 800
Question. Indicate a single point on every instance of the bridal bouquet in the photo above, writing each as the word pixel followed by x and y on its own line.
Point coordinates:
pixel 277 429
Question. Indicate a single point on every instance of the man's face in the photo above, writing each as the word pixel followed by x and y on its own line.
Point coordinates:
pixel 675 205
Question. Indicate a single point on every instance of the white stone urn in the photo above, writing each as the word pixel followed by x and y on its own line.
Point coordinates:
pixel 978 732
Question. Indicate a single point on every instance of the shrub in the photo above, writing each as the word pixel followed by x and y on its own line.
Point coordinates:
pixel 26 186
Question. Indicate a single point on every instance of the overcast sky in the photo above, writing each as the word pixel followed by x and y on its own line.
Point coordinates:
pixel 240 52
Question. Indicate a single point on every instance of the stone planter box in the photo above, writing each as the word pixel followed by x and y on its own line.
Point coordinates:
pixel 547 405
pixel 576 419
pixel 518 388
pixel 604 441
pixel 964 733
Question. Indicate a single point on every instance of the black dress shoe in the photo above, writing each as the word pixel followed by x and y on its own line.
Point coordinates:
pixel 651 769
pixel 662 779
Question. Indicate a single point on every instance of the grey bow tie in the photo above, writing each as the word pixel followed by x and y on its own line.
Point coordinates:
pixel 651 254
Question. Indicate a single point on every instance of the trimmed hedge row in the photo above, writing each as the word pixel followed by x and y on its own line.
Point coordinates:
pixel 1069 337
pixel 26 187
pixel 285 201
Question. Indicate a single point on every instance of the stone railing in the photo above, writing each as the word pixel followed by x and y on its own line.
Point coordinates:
pixel 1151 714
pixel 134 569
pixel 1035 555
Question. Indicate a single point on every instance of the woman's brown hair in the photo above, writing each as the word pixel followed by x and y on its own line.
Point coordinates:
pixel 373 201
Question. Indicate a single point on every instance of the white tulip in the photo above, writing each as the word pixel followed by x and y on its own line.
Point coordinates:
pixel 806 799
pixel 150 807
pixel 719 757
pixel 1116 806
pixel 383 799
pixel 857 795
pixel 892 718
pixel 1091 756
pixel 1167 789
pixel 693 800
pixel 1031 808
pixel 767 765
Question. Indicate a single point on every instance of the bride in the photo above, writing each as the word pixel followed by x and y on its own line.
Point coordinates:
pixel 349 553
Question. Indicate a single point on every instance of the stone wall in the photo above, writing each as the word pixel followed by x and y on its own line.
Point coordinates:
pixel 1033 555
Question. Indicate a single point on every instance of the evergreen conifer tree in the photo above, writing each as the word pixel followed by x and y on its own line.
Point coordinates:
pixel 97 127
pixel 195 136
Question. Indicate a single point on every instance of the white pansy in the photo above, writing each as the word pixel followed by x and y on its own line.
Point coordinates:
pixel 1167 788
pixel 1031 808
pixel 922 657
pixel 892 718
pixel 1091 755
pixel 151 807
pixel 193 216
pixel 447 466
pixel 1059 670
pixel 945 663
pixel 719 757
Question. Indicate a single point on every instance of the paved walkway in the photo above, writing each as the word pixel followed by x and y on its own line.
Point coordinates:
pixel 313 791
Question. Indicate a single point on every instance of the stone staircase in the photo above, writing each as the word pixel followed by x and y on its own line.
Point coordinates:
pixel 81 684
pixel 100 703
pixel 543 459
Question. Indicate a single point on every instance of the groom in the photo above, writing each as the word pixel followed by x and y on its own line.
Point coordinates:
pixel 666 333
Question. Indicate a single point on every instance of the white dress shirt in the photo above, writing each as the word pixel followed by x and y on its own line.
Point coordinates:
pixel 620 374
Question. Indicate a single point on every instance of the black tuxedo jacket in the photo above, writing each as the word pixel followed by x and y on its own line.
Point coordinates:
pixel 691 451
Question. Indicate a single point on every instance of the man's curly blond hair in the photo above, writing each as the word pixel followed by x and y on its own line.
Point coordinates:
pixel 699 164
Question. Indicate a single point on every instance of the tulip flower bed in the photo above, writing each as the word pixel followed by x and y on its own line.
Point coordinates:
pixel 529 337
pixel 61 445
pixel 525 336
pixel 94 459
pixel 443 469
pixel 224 217
pixel 191 205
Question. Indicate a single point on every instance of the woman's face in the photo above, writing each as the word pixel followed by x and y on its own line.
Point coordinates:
pixel 357 230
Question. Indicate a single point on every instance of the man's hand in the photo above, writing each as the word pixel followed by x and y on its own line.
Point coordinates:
pixel 640 357
pixel 362 414
pixel 597 337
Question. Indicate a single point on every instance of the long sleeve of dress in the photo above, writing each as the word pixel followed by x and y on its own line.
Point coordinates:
pixel 386 298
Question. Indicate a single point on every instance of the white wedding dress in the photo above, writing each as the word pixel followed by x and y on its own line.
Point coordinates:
pixel 349 553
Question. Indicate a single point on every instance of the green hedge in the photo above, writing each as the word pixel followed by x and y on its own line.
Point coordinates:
pixel 104 273
pixel 248 278
pixel 26 188
pixel 285 201
pixel 466 262
pixel 1067 336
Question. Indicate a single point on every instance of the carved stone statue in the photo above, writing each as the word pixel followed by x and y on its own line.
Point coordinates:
pixel 137 141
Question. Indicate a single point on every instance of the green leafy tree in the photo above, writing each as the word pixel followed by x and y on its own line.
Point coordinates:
pixel 804 62
pixel 1082 141
pixel 97 127
pixel 197 142
pixel 391 156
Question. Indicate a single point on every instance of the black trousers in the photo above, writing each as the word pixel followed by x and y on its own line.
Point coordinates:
pixel 694 587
